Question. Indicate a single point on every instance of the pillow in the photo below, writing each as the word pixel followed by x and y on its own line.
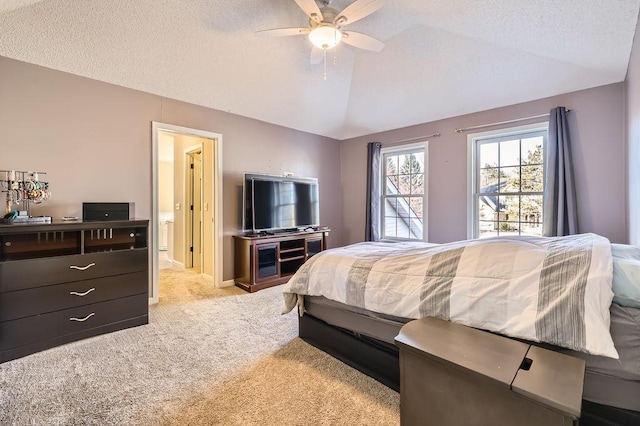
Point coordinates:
pixel 626 275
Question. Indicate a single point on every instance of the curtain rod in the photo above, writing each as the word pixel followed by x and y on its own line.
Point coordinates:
pixel 503 122
pixel 420 138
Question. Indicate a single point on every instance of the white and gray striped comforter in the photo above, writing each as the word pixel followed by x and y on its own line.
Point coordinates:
pixel 555 290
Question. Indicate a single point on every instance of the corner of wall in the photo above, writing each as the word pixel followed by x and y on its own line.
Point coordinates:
pixel 631 124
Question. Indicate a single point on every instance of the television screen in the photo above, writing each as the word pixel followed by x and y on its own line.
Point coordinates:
pixel 275 203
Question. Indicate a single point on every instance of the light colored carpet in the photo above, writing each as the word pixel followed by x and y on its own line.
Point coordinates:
pixel 208 357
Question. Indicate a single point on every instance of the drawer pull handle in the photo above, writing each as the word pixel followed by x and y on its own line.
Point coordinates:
pixel 82 319
pixel 75 293
pixel 82 268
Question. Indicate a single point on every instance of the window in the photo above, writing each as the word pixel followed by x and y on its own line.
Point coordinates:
pixel 507 182
pixel 403 205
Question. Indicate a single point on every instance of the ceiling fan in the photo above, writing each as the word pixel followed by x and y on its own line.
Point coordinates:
pixel 325 26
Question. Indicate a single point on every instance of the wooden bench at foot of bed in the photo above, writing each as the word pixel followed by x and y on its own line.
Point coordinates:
pixel 451 374
pixel 380 361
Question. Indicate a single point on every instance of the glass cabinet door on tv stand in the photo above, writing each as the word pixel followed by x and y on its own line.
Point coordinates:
pixel 269 260
pixel 313 247
pixel 266 261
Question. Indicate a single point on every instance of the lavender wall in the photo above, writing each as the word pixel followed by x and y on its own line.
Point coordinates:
pixel 94 140
pixel 597 132
pixel 632 128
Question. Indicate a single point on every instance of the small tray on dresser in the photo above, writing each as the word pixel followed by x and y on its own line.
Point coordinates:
pixel 26 219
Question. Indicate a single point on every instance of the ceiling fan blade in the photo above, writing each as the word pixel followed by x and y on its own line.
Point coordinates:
pixel 362 41
pixel 279 32
pixel 316 56
pixel 310 7
pixel 358 10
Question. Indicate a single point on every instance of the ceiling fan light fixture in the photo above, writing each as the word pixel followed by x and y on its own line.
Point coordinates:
pixel 325 36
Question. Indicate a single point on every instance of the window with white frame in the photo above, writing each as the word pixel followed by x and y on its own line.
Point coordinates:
pixel 403 193
pixel 507 181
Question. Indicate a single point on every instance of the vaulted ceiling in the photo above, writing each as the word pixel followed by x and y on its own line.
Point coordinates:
pixel 442 58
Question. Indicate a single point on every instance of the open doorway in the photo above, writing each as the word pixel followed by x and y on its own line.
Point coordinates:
pixel 190 223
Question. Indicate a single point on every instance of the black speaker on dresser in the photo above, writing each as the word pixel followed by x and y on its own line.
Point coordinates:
pixel 107 211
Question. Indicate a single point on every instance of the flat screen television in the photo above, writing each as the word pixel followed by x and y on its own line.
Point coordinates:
pixel 279 203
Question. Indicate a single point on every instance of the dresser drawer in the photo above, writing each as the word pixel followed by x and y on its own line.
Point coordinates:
pixel 40 300
pixel 23 274
pixel 69 321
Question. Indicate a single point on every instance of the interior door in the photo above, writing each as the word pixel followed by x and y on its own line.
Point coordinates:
pixel 197 209
pixel 194 215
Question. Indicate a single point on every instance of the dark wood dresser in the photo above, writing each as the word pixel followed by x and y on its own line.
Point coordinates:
pixel 66 281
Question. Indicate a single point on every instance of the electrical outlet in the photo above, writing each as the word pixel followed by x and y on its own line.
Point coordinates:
pixel 177 206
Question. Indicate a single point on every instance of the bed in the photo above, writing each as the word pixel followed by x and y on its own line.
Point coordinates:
pixel 578 295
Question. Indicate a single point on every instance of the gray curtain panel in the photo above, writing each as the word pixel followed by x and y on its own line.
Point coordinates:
pixel 372 225
pixel 560 207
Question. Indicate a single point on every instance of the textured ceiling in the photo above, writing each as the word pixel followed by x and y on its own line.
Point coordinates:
pixel 442 58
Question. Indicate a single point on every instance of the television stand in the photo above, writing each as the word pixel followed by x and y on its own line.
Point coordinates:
pixel 263 261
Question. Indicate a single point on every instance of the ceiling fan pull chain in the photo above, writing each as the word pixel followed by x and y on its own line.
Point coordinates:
pixel 325 63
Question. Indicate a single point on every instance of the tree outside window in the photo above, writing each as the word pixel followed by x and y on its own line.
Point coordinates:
pixel 509 185
pixel 403 194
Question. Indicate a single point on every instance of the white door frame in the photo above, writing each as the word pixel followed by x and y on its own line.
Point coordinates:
pixel 216 171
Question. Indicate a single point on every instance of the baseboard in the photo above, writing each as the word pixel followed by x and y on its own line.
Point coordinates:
pixel 227 283
pixel 176 263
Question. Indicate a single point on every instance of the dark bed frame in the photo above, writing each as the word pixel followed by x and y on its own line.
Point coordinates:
pixel 380 360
